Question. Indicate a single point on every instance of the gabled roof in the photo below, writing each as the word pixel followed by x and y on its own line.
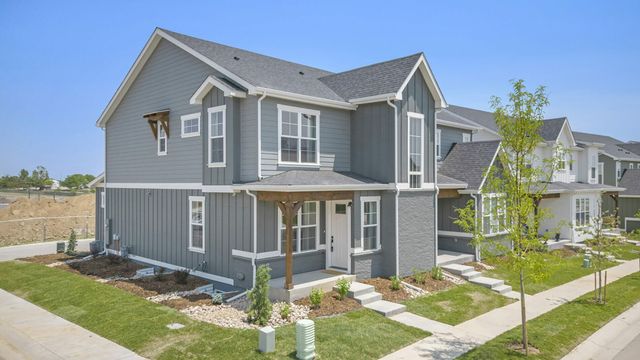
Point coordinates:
pixel 447 118
pixel 468 162
pixel 634 147
pixel 551 128
pixel 257 74
pixel 630 181
pixel 97 181
pixel 485 119
pixel 611 146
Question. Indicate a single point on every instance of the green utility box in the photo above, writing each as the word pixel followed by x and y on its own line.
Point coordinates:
pixel 586 261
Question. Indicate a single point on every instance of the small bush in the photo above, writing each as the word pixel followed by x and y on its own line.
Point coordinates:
pixel 419 276
pixel 342 287
pixel 285 312
pixel 315 298
pixel 159 274
pixel 71 245
pixel 181 276
pixel 216 299
pixel 260 309
pixel 395 283
pixel 436 273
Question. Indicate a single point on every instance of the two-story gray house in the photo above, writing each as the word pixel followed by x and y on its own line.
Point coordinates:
pixel 220 159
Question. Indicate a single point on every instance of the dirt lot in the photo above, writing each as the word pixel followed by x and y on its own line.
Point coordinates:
pixel 22 221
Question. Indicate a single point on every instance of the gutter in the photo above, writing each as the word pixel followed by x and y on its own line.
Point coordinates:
pixel 255 236
pixel 395 179
pixel 264 94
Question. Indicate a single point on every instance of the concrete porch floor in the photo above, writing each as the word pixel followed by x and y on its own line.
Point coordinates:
pixel 446 257
pixel 303 283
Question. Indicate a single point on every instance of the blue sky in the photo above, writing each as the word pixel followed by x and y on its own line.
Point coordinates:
pixel 62 61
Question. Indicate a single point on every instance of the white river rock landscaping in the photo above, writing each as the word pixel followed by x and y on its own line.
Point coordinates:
pixel 229 316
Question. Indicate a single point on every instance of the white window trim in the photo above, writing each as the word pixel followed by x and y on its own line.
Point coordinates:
pixel 466 137
pixel 438 144
pixel 300 111
pixel 631 166
pixel 166 139
pixel 191 247
pixel 422 156
pixel 281 225
pixel 184 118
pixel 600 173
pixel 210 111
pixel 360 248
pixel 488 197
pixel 103 198
pixel 583 201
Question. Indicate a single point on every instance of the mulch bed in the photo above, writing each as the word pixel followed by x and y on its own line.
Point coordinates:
pixel 330 305
pixel 52 258
pixel 383 286
pixel 105 267
pixel 430 285
pixel 156 285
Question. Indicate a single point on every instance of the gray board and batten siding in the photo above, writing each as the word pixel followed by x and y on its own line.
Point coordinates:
pixel 449 136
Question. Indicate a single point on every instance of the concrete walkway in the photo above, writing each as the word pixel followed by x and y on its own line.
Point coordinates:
pixel 29 332
pixel 20 251
pixel 449 343
pixel 612 339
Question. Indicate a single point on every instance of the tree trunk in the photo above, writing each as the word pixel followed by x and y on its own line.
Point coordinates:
pixel 523 311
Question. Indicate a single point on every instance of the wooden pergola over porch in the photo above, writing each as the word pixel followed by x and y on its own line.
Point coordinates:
pixel 289 204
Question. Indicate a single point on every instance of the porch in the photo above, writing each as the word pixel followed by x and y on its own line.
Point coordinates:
pixel 303 283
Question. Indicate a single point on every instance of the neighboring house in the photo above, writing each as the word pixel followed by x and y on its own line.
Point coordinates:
pixel 572 193
pixel 614 159
pixel 211 150
pixel 629 202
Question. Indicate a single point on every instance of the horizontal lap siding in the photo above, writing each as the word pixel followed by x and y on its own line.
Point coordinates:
pixel 167 81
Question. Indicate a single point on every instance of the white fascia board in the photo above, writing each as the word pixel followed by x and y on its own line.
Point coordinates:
pixel 468 191
pixel 375 98
pixel 484 178
pixel 455 234
pixel 209 83
pixel 303 98
pixel 97 182
pixel 456 125
pixel 452 186
pixel 630 196
pixel 432 84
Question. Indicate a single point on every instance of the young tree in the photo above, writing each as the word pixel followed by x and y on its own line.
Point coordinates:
pixel 520 178
pixel 71 245
pixel 260 308
pixel 601 247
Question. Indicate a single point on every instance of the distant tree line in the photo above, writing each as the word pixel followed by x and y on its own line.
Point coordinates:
pixel 39 178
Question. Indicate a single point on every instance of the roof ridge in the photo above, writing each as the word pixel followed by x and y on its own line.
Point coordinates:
pixel 370 65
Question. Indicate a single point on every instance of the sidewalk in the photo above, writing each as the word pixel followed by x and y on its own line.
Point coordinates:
pixel 20 251
pixel 29 332
pixel 449 343
pixel 611 339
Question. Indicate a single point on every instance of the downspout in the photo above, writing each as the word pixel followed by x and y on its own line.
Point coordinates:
pixel 104 189
pixel 475 204
pixel 255 236
pixel 264 94
pixel 395 179
pixel 435 175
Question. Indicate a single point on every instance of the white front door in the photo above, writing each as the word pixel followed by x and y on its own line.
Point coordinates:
pixel 338 239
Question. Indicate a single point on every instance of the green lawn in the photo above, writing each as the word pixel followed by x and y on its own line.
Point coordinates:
pixel 627 251
pixel 561 271
pixel 559 331
pixel 457 304
pixel 140 325
pixel 634 235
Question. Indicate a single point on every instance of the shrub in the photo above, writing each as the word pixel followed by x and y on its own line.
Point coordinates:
pixel 181 276
pixel 395 283
pixel 436 273
pixel 159 274
pixel 71 245
pixel 342 287
pixel 285 311
pixel 315 298
pixel 419 276
pixel 260 309
pixel 216 299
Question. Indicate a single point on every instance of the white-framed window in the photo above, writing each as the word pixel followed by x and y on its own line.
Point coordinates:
pixel 466 137
pixel 583 213
pixel 306 228
pixel 416 150
pixel 190 125
pixel 562 159
pixel 196 223
pixel 618 170
pixel 103 198
pixel 494 216
pixel 369 223
pixel 162 139
pixel 216 143
pixel 298 136
pixel 600 173
pixel 630 165
pixel 438 143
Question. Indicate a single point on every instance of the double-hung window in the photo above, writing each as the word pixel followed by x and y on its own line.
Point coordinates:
pixel 196 223
pixel 562 160
pixel 370 221
pixel 305 228
pixel 466 137
pixel 493 213
pixel 583 214
pixel 217 136
pixel 600 173
pixel 298 136
pixel 190 125
pixel 631 166
pixel 416 150
pixel 162 140
pixel 438 144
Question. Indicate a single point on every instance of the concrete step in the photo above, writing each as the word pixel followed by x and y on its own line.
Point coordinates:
pixel 368 298
pixel 502 289
pixel 358 289
pixel 386 308
pixel 458 269
pixel 471 275
pixel 487 282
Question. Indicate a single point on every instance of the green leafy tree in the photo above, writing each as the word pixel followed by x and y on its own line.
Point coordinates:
pixel 601 247
pixel 260 309
pixel 39 176
pixel 76 181
pixel 520 178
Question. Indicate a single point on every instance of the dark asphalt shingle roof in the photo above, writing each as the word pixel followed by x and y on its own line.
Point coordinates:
pixel 443 179
pixel 468 162
pixel 551 128
pixel 633 147
pixel 611 145
pixel 314 177
pixel 483 118
pixel 381 78
pixel 447 115
pixel 631 182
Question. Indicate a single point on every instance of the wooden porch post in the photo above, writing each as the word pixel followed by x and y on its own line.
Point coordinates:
pixel 614 196
pixel 289 209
